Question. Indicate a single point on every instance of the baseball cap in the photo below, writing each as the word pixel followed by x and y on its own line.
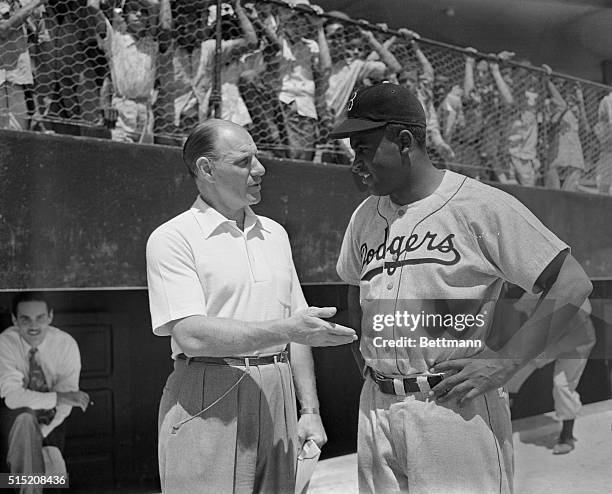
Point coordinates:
pixel 376 106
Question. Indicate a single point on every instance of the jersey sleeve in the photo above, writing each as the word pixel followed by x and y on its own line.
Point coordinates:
pixel 515 242
pixel 348 266
pixel 174 287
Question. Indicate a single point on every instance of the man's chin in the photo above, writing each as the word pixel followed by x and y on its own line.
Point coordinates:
pixel 254 199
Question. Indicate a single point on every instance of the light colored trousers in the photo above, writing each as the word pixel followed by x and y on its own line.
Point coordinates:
pixel 566 376
pixel 411 444
pixel 245 443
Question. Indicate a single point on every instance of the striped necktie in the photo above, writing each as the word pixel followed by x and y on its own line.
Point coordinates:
pixel 37 382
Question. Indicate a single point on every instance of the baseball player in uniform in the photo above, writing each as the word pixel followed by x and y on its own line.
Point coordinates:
pixel 223 285
pixel 426 246
pixel 566 374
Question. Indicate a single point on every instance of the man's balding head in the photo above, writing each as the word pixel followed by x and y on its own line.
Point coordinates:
pixel 203 142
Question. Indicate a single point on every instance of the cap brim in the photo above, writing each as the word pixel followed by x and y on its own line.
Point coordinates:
pixel 353 125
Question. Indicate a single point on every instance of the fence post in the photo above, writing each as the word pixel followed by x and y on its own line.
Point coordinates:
pixel 215 95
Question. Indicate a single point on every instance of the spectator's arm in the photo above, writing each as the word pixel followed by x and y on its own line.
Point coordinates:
pixel 433 128
pixel 468 82
pixel 96 17
pixel 504 89
pixel 18 18
pixel 584 121
pixel 248 31
pixel 412 37
pixel 325 62
pixel 556 97
pixel 267 25
pixel 388 43
pixel 385 55
pixel 165 15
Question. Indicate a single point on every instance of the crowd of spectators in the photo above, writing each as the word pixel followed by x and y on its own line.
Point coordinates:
pixel 146 68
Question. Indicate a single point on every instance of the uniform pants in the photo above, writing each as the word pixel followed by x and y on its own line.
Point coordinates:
pixel 245 443
pixel 412 444
pixel 566 376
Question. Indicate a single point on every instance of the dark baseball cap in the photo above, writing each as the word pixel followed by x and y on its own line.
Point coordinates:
pixel 376 106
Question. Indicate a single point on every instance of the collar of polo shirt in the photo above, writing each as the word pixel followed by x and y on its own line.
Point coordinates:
pixel 210 219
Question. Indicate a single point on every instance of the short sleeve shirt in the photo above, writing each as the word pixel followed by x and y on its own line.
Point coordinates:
pixel 447 253
pixel 201 263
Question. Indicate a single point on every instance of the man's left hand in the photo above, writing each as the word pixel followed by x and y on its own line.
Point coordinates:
pixel 311 427
pixel 472 377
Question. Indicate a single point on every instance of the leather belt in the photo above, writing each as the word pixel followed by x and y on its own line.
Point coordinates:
pixel 389 385
pixel 240 361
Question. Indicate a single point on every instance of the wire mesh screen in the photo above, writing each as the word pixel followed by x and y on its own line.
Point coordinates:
pixel 149 70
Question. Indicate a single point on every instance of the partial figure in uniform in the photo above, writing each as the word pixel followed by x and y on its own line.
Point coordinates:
pixel 566 376
pixel 223 285
pixel 425 258
pixel 39 384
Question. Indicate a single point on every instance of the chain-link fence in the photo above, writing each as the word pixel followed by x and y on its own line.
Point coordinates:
pixel 148 70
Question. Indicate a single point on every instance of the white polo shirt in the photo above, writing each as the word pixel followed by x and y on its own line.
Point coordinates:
pixel 201 263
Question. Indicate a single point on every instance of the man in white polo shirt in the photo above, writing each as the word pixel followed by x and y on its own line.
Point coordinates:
pixel 223 285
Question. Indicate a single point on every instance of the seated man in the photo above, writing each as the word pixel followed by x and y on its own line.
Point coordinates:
pixel 39 384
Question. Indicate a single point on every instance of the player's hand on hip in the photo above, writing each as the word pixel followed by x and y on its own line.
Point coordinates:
pixel 471 377
pixel 73 398
pixel 308 327
pixel 310 426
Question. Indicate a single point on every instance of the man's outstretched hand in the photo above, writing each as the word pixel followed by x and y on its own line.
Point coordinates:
pixel 308 327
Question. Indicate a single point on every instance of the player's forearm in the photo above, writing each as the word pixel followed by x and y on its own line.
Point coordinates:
pixel 304 376
pixel 222 337
pixel 549 323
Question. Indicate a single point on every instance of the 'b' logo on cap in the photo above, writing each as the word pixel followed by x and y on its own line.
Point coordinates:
pixel 349 107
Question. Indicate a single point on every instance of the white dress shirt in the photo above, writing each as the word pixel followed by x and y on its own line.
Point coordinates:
pixel 59 357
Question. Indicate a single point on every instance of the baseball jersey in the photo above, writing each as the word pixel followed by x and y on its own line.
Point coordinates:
pixel 431 271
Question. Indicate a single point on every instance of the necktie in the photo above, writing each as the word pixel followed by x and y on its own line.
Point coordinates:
pixel 37 382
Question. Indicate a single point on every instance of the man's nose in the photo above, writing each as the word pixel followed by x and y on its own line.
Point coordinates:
pixel 257 168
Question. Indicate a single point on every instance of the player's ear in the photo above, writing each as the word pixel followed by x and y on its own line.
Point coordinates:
pixel 406 141
pixel 204 168
pixel 50 316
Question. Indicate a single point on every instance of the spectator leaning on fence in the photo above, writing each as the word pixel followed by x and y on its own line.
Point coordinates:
pixel 566 163
pixel 603 131
pixel 194 66
pixel 523 135
pixel 259 84
pixel 348 45
pixel 131 47
pixel 298 62
pixel 69 67
pixel 421 83
pixel 15 64
pixel 485 97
